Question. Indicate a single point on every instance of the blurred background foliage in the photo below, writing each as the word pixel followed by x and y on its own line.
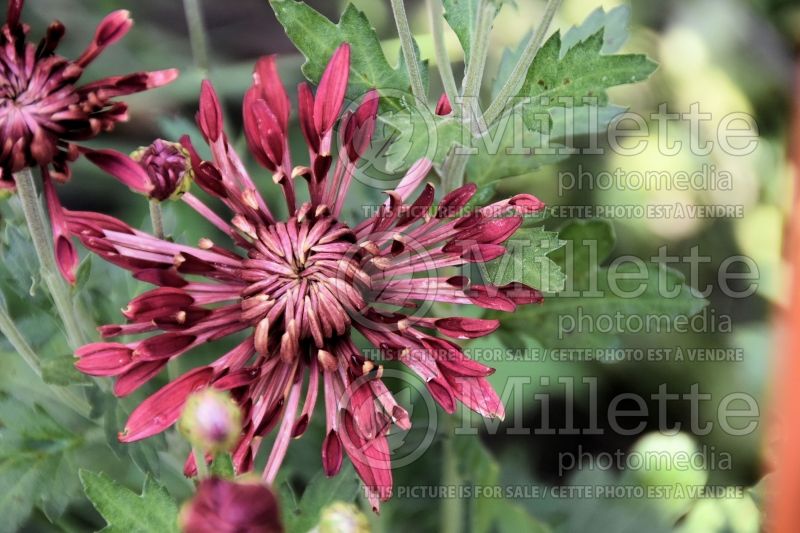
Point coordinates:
pixel 727 55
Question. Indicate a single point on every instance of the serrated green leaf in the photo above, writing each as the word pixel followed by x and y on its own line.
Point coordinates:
pixel 317 37
pixel 126 511
pixel 583 72
pixel 614 24
pixel 461 15
pixel 526 261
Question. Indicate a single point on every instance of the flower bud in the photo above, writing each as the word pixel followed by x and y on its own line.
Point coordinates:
pixel 341 517
pixel 221 505
pixel 211 421
pixel 169 167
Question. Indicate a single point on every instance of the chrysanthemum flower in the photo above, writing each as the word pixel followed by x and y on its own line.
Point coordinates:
pixel 305 288
pixel 43 110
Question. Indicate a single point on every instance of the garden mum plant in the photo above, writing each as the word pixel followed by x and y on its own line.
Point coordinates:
pixel 288 297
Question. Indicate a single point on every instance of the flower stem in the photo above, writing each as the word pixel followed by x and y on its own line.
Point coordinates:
pixel 409 53
pixel 473 76
pixel 517 77
pixel 453 170
pixel 454 166
pixel 157 218
pixel 440 49
pixel 10 331
pixel 200 461
pixel 197 33
pixel 59 291
pixel 451 511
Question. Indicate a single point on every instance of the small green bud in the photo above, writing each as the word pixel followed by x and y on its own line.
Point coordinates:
pixel 211 421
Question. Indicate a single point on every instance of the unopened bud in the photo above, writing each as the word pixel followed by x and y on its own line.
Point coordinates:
pixel 222 505
pixel 169 167
pixel 211 421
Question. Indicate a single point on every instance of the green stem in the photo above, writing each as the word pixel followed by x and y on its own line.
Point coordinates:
pixel 409 53
pixel 440 49
pixel 197 33
pixel 10 331
pixel 479 50
pixel 517 77
pixel 157 218
pixel 453 170
pixel 452 510
pixel 200 461
pixel 59 291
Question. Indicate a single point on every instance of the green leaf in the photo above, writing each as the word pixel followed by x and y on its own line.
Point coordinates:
pixel 515 519
pixel 84 273
pixel 461 16
pixel 143 453
pixel 583 72
pixel 126 511
pixel 417 134
pixel 591 291
pixel 35 464
pixel 613 23
pixel 65 487
pixel 526 261
pixel 321 491
pixel 588 243
pixel 511 149
pixel 60 370
pixel 478 468
pixel 624 291
pixel 317 38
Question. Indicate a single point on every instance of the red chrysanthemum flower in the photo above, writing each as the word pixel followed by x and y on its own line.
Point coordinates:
pixel 303 287
pixel 223 506
pixel 43 110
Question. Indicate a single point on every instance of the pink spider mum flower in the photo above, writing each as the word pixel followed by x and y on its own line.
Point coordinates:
pixel 302 288
pixel 43 111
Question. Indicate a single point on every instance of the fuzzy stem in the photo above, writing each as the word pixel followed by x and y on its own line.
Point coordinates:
pixel 517 77
pixel 453 170
pixel 197 33
pixel 156 217
pixel 10 331
pixel 480 48
pixel 440 49
pixel 409 53
pixel 34 216
pixel 451 510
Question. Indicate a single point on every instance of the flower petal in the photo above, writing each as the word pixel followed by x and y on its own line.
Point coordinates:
pixel 122 167
pixel 332 88
pixel 163 408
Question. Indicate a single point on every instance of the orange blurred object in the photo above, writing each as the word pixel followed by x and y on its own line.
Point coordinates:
pixel 784 490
